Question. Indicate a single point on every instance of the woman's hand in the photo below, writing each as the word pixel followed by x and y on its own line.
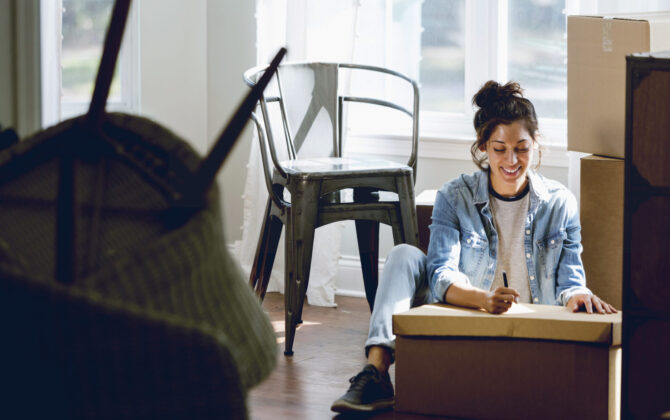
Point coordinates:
pixel 588 303
pixel 500 300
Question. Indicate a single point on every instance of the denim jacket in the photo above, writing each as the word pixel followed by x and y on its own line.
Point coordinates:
pixel 464 242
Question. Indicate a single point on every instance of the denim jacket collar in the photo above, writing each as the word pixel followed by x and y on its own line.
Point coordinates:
pixel 538 189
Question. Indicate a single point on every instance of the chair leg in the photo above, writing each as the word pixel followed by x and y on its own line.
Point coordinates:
pixel 408 220
pixel 367 233
pixel 396 229
pixel 300 226
pixel 266 249
pixel 290 291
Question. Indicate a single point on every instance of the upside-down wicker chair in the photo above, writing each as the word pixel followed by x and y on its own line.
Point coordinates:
pixel 161 324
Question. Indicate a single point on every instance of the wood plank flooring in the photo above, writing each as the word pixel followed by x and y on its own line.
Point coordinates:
pixel 328 350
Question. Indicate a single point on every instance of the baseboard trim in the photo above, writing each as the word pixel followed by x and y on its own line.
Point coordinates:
pixel 350 293
pixel 349 280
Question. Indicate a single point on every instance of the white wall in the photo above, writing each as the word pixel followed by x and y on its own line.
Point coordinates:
pixel 231 49
pixel 173 66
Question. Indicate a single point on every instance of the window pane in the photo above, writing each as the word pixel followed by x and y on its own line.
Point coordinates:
pixel 442 74
pixel 84 27
pixel 537 53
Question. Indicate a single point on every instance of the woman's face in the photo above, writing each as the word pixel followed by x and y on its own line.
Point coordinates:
pixel 510 151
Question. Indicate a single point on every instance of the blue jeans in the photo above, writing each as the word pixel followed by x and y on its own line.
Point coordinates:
pixel 403 285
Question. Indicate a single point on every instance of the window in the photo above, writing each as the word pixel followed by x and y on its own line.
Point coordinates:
pixel 73 33
pixel 537 53
pixel 464 44
pixel 442 74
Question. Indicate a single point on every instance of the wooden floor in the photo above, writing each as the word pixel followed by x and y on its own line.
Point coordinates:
pixel 328 350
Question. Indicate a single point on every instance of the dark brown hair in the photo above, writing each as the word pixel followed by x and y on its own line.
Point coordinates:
pixel 500 104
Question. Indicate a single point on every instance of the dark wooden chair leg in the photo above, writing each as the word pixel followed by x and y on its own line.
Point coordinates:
pixel 275 227
pixel 260 247
pixel 367 233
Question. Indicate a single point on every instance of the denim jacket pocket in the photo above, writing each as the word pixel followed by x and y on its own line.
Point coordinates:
pixel 473 249
pixel 549 249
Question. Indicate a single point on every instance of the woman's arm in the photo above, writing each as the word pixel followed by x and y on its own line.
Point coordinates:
pixel 570 278
pixel 444 248
pixel 495 302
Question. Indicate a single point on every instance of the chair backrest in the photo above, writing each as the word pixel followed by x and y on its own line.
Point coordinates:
pixel 309 106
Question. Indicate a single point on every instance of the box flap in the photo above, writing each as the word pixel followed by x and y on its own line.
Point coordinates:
pixel 546 322
pixel 647 16
pixel 658 23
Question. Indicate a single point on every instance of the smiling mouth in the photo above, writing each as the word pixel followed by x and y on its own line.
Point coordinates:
pixel 512 172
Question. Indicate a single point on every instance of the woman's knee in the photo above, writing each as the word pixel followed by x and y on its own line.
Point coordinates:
pixel 406 258
pixel 407 253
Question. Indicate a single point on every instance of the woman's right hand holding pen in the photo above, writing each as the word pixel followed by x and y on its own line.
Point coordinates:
pixel 500 300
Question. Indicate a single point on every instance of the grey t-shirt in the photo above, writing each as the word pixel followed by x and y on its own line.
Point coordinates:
pixel 509 217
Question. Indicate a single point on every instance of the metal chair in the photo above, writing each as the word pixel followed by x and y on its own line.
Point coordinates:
pixel 310 107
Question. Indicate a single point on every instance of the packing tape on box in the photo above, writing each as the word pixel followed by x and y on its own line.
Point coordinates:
pixel 607 35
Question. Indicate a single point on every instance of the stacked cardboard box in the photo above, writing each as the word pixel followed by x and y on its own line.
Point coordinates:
pixel 597 49
pixel 601 213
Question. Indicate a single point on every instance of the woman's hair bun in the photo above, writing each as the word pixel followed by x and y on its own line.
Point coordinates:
pixel 499 104
pixel 493 92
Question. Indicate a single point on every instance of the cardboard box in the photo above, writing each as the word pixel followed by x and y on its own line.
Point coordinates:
pixel 597 48
pixel 424 214
pixel 601 216
pixel 533 362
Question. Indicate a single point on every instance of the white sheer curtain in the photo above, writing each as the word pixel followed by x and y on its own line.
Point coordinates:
pixel 312 31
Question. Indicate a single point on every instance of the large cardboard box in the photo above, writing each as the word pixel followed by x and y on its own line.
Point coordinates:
pixel 597 49
pixel 533 362
pixel 601 216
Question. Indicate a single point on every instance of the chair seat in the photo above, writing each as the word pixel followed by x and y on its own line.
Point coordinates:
pixel 342 167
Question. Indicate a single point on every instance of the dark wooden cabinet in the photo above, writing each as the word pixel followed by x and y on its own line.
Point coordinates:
pixel 646 275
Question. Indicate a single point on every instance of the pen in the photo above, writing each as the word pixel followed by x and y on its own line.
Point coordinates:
pixel 505 279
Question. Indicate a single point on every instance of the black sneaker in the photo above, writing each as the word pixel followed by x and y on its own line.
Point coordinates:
pixel 369 391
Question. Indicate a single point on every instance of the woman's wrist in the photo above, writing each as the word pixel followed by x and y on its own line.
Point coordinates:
pixel 466 295
pixel 482 297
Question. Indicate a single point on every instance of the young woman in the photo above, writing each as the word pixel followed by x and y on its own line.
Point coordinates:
pixel 505 218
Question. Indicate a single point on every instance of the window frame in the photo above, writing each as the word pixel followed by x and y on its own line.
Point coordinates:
pixel 54 109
